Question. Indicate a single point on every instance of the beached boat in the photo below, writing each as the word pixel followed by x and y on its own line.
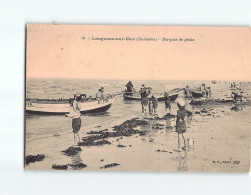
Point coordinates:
pixel 197 93
pixel 160 96
pixel 62 106
pixel 214 81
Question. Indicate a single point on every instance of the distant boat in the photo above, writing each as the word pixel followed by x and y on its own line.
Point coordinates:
pixel 214 81
pixel 159 96
pixel 57 107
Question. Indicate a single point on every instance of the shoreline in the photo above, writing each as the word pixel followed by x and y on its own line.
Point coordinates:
pixel 154 150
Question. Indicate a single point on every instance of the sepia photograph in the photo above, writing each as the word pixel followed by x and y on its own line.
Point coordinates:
pixel 137 98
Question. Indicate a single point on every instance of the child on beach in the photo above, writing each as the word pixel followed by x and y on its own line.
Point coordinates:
pixel 150 102
pixel 167 101
pixel 155 104
pixel 75 115
pixel 180 123
pixel 209 93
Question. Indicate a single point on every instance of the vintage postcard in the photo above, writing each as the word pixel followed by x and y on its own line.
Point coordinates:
pixel 137 98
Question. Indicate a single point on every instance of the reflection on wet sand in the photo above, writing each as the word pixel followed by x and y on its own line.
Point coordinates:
pixel 182 159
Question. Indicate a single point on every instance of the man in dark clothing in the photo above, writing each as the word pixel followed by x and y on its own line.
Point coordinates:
pixel 129 86
pixel 167 101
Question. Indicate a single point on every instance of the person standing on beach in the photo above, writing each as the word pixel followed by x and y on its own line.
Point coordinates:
pixel 181 123
pixel 203 89
pixel 155 104
pixel 143 94
pixel 75 115
pixel 167 101
pixel 209 93
pixel 150 102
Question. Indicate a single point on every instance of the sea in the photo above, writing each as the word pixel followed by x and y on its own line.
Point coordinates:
pixel 43 126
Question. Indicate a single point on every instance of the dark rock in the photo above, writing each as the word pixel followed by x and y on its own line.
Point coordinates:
pixel 163 151
pixel 167 116
pixel 71 151
pixel 197 112
pixel 78 166
pixel 60 167
pixel 189 113
pixel 109 165
pixel 121 146
pixel 234 108
pixel 203 110
pixel 31 158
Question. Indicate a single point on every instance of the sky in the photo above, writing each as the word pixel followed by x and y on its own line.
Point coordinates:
pixel 75 51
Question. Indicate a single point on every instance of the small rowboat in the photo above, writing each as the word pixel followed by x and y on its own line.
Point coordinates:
pixel 197 93
pixel 159 96
pixel 56 107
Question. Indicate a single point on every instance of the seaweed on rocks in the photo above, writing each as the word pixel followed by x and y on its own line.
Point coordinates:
pixel 125 129
pixel 158 126
pixel 167 116
pixel 94 143
pixel 109 165
pixel 60 167
pixel 97 132
pixel 212 102
pixel 71 151
pixel 33 158
pixel 78 166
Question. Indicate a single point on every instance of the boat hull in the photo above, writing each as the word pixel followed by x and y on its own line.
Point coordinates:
pixel 197 94
pixel 133 96
pixel 63 108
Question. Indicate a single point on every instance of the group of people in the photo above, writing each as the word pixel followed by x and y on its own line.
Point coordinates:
pixel 206 91
pixel 148 99
pixel 101 94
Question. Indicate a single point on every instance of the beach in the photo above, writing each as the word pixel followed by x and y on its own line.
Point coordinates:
pixel 220 134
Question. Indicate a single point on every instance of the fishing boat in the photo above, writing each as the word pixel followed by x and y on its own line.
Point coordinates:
pixel 159 96
pixel 62 106
pixel 197 93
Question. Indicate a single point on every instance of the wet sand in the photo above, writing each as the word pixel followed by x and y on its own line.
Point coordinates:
pixel 221 144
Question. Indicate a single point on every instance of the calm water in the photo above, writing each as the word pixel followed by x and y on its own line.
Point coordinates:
pixel 41 126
